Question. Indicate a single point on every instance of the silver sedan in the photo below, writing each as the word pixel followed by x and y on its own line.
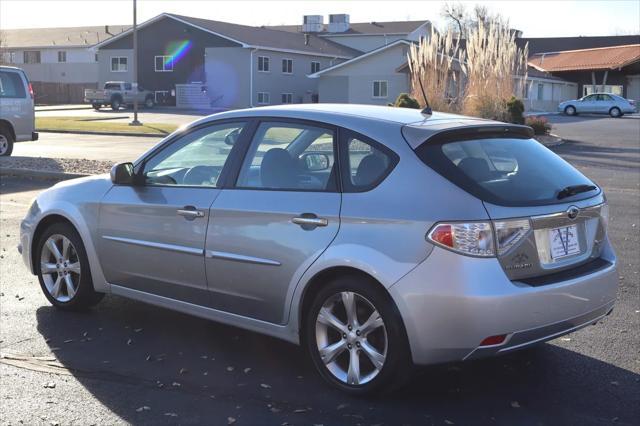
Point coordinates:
pixel 379 238
pixel 599 103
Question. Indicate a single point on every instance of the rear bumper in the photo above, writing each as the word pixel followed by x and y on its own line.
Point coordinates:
pixel 450 303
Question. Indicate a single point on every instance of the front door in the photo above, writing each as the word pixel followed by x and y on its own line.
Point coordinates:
pixel 152 234
pixel 281 214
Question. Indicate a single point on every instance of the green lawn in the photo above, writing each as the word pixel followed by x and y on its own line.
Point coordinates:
pixel 91 125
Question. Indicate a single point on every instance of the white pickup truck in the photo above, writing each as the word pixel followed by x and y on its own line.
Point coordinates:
pixel 118 94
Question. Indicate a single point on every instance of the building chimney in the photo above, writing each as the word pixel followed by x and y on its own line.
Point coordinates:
pixel 312 24
pixel 106 30
pixel 338 23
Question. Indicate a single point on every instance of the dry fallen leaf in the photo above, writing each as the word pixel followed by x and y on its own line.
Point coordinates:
pixel 515 404
pixel 183 371
pixel 230 368
pixel 171 414
pixel 265 386
pixel 246 370
pixel 50 385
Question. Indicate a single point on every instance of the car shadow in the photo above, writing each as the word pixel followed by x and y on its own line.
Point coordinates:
pixel 187 370
pixel 616 157
pixel 14 184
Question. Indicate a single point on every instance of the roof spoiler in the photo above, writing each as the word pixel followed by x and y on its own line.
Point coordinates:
pixel 417 135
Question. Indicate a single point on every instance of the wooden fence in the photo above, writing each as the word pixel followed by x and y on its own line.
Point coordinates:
pixel 60 93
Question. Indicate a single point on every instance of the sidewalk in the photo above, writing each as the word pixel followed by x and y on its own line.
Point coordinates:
pixel 62 107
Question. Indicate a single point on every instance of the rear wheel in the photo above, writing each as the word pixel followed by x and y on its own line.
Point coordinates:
pixel 6 142
pixel 149 103
pixel 116 103
pixel 570 110
pixel 96 106
pixel 615 112
pixel 355 337
pixel 63 269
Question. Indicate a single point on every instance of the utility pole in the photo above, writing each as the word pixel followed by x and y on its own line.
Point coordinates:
pixel 134 83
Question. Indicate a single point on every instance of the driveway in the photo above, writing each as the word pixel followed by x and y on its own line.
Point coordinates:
pixel 126 362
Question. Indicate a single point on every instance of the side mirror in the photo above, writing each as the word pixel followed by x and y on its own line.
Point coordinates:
pixel 232 137
pixel 316 161
pixel 122 174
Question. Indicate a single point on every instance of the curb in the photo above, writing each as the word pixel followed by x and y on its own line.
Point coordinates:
pixel 82 132
pixel 39 174
pixel 62 109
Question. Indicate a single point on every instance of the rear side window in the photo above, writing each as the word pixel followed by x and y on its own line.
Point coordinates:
pixel 367 163
pixel 508 171
pixel 112 86
pixel 11 85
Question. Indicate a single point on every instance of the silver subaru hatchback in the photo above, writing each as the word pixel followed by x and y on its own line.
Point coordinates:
pixel 379 238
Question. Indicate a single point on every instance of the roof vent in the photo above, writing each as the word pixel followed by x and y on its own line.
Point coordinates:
pixel 312 24
pixel 338 23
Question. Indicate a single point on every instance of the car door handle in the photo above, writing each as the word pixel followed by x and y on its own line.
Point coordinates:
pixel 190 212
pixel 309 220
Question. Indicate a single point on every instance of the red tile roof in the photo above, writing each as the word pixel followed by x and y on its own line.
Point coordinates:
pixel 587 59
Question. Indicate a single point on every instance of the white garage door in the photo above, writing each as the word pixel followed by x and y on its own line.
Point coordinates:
pixel 633 87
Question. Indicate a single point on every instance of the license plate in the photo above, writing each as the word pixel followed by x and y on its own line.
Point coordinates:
pixel 564 241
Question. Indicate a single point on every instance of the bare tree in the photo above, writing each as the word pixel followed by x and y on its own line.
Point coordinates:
pixel 456 14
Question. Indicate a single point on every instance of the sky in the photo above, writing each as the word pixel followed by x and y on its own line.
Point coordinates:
pixel 535 18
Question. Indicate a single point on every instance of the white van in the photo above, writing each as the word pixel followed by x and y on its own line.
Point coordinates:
pixel 17 117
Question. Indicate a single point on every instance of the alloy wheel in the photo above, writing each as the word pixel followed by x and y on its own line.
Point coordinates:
pixel 60 268
pixel 351 338
pixel 4 144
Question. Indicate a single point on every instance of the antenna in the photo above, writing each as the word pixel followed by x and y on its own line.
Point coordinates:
pixel 426 111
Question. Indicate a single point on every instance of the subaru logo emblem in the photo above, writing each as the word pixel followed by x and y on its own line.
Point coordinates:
pixel 573 212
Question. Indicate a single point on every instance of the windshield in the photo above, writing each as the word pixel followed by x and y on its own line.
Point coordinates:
pixel 509 172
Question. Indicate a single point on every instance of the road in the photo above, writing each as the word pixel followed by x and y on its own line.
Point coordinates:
pixel 124 356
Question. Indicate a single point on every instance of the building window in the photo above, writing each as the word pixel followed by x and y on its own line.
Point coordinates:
pixel 540 91
pixel 95 58
pixel 263 63
pixel 287 98
pixel 380 89
pixel 62 56
pixel 119 64
pixel 287 66
pixel 163 63
pixel 263 98
pixel 315 67
pixel 615 89
pixel 31 56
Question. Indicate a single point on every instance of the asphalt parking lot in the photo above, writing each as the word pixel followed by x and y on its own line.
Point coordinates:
pixel 126 362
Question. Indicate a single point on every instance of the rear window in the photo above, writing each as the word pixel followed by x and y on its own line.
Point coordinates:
pixel 508 171
pixel 11 85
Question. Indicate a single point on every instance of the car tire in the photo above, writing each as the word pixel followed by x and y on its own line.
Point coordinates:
pixel 6 142
pixel 615 112
pixel 149 103
pixel 64 275
pixel 382 354
pixel 116 104
pixel 570 110
pixel 96 106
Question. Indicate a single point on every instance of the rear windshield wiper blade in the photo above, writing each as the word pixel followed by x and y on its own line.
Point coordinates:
pixel 573 190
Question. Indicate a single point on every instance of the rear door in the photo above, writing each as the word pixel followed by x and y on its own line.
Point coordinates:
pixel 604 103
pixel 275 221
pixel 152 234
pixel 16 102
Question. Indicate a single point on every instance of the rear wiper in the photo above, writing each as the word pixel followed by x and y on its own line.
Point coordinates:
pixel 573 190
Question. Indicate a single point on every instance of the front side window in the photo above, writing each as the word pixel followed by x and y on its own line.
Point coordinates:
pixel 290 156
pixel 508 171
pixel 263 98
pixel 195 159
pixel 62 56
pixel 11 85
pixel 119 64
pixel 31 56
pixel 163 63
pixel 380 89
pixel 287 66
pixel 263 63
pixel 367 163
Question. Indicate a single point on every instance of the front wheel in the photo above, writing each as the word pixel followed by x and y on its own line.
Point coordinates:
pixel 6 142
pixel 96 106
pixel 116 104
pixel 355 337
pixel 615 112
pixel 570 110
pixel 149 103
pixel 63 269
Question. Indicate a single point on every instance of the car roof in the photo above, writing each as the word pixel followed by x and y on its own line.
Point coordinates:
pixel 325 112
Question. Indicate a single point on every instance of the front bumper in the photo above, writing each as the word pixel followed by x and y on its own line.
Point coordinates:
pixel 450 303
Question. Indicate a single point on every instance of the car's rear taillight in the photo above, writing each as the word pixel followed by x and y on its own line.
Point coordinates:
pixel 31 90
pixel 509 233
pixel 472 238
